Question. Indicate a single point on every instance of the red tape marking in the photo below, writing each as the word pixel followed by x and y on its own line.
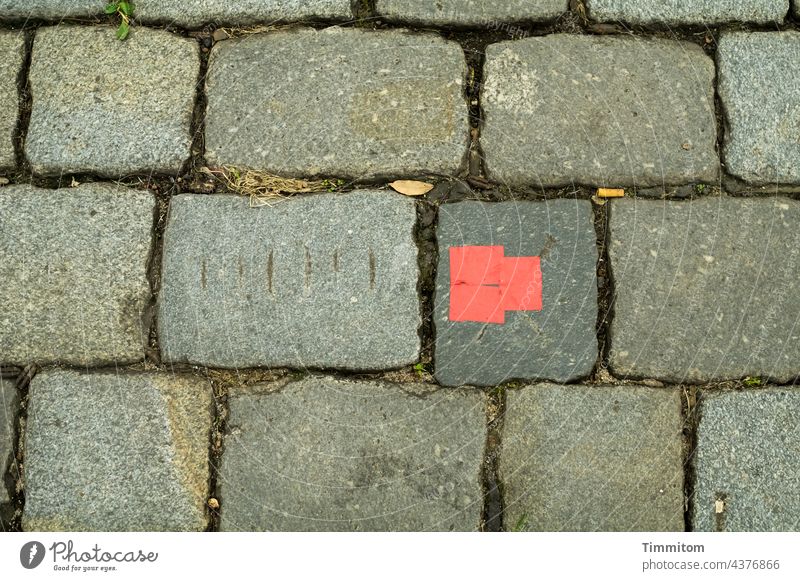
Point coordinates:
pixel 484 284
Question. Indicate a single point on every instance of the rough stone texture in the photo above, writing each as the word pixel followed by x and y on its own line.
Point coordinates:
pixel 598 110
pixel 321 281
pixel 73 274
pixel 195 13
pixel 345 102
pixel 50 9
pixel 557 343
pixel 12 54
pixel 469 12
pixel 705 290
pixel 592 459
pixel 136 459
pixel 759 84
pixel 8 416
pixel 679 12
pixel 331 455
pixel 748 456
pixel 111 107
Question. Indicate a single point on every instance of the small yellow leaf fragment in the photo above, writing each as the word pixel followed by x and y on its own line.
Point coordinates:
pixel 610 193
pixel 213 503
pixel 411 187
pixel 719 506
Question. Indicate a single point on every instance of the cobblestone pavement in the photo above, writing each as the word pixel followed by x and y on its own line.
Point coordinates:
pixel 212 300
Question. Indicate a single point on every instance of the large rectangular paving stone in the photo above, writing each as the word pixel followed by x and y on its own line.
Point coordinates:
pixel 346 102
pixel 316 281
pixel 117 452
pixel 557 342
pixel 324 454
pixel 50 9
pixel 8 418
pixel 747 461
pixel 12 55
pixel 705 290
pixel 680 12
pixel 596 458
pixel 73 274
pixel 195 13
pixel 598 110
pixel 469 12
pixel 111 107
pixel 759 85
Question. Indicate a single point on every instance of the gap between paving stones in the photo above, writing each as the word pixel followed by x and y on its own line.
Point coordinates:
pixel 13 478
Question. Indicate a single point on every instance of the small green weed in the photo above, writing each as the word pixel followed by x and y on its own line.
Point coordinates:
pixel 332 185
pixel 753 382
pixel 521 525
pixel 419 368
pixel 125 10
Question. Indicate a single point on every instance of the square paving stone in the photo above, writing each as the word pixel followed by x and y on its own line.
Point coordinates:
pixel 598 110
pixel 8 417
pixel 73 274
pixel 747 461
pixel 117 452
pixel 469 12
pixel 12 55
pixel 50 9
pixel 322 454
pixel 759 85
pixel 345 102
pixel 577 458
pixel 705 290
pixel 110 107
pixel 195 13
pixel 557 342
pixel 679 12
pixel 317 281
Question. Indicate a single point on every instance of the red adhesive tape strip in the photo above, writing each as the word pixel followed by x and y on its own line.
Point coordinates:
pixel 484 284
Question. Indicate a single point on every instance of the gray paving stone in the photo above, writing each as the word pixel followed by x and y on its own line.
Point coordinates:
pixel 558 342
pixel 705 290
pixel 345 102
pixel 127 112
pixel 578 458
pixel 8 417
pixel 678 12
pixel 334 455
pixel 319 281
pixel 136 459
pixel 195 13
pixel 599 110
pixel 469 12
pixel 50 9
pixel 12 54
pixel 759 84
pixel 73 274
pixel 748 456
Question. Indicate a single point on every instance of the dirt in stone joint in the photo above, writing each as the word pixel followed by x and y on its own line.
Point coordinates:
pixel 13 478
pixel 691 420
pixel 492 516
